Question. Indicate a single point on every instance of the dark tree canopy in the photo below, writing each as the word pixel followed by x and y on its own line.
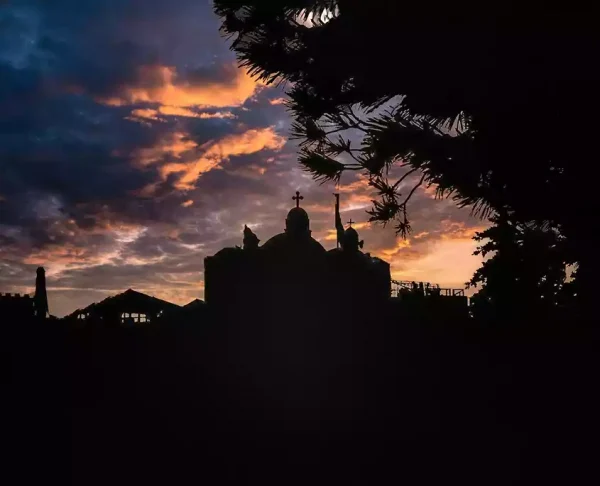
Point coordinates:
pixel 494 104
pixel 524 275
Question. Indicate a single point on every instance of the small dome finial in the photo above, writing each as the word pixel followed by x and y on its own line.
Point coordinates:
pixel 298 198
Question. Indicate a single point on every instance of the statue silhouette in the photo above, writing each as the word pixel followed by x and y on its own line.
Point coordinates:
pixel 251 241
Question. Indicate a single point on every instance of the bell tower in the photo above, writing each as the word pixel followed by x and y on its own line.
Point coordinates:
pixel 40 300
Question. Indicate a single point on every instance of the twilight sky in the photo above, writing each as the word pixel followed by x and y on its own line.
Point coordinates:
pixel 131 147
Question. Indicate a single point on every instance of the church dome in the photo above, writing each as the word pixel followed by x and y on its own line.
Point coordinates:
pixel 227 253
pixel 297 221
pixel 351 240
pixel 297 236
pixel 351 234
pixel 283 242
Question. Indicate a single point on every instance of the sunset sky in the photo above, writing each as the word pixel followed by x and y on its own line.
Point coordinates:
pixel 132 147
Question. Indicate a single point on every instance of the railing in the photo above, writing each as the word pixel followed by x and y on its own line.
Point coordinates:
pixel 405 287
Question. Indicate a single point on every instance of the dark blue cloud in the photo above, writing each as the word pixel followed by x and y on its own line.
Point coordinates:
pixel 61 144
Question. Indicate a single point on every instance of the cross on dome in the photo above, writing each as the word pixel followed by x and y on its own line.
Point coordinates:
pixel 298 198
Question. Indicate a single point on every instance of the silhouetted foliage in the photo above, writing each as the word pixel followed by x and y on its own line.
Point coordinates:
pixel 524 274
pixel 496 107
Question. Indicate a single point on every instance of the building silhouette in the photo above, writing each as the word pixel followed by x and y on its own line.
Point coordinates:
pixel 129 309
pixel 293 277
pixel 292 273
pixel 17 308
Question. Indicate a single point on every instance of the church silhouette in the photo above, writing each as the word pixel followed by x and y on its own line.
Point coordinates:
pixel 293 276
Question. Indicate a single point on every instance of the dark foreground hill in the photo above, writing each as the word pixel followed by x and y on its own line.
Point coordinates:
pixel 348 401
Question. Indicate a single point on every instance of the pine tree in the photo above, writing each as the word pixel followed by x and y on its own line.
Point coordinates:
pixel 493 105
pixel 524 276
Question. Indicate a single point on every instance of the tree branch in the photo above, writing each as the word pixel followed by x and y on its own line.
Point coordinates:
pixel 413 191
pixel 399 181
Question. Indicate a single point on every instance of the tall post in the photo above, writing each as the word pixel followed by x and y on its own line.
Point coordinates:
pixel 339 227
pixel 40 300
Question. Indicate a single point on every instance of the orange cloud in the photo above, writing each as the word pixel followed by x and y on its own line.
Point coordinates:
pixel 162 85
pixel 423 243
pixel 187 203
pixel 173 152
pixel 58 254
pixel 172 145
pixel 249 142
pixel 143 115
pixel 430 191
pixel 356 195
pixel 319 208
pixel 147 114
pixel 57 258
pixel 359 185
pixel 277 101
pixel 356 201
pixel 177 111
pixel 332 233
pixel 400 245
pixel 453 230
pixel 218 114
pixel 215 153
